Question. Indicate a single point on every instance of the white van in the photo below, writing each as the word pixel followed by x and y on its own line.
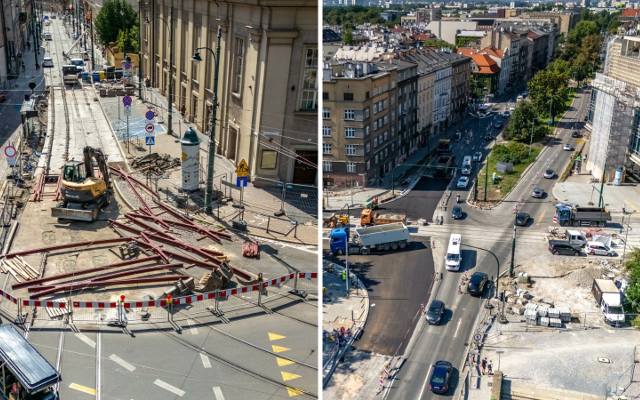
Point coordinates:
pixel 453 257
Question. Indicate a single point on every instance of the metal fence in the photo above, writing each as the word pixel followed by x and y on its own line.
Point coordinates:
pixel 299 202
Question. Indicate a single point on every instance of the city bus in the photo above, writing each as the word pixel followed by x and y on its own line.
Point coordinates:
pixel 453 257
pixel 24 373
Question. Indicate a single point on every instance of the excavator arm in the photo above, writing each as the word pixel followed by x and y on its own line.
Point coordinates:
pixel 89 154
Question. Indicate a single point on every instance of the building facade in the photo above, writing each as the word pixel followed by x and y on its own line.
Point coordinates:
pixel 267 91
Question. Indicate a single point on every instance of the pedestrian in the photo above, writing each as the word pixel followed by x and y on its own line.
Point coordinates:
pixel 483 364
pixel 490 368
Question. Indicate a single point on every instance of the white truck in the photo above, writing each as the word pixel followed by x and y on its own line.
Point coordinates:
pixel 609 298
pixel 369 238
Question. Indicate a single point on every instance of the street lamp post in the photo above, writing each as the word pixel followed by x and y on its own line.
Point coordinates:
pixel 35 37
pixel 208 195
pixel 170 99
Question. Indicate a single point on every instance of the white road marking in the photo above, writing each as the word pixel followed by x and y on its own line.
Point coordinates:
pixel 168 387
pixel 455 334
pixel 98 365
pixel 217 393
pixel 122 363
pixel 205 360
pixel 86 340
pixel 192 327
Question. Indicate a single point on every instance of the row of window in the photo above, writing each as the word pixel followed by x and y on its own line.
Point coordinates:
pixel 349 149
pixel 327 166
pixel 348 132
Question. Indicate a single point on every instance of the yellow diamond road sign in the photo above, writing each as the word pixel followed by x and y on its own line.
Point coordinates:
pixel 242 169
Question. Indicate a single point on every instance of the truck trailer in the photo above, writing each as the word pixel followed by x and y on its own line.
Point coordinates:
pixel 366 239
pixel 369 217
pixel 567 214
pixel 609 298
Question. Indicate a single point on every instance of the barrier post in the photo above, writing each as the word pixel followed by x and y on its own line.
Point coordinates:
pixel 295 283
pixel 295 230
pixel 260 289
pixel 268 222
pixel 19 316
pixel 169 307
pixel 70 313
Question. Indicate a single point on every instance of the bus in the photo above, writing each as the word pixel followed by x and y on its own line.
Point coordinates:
pixel 453 257
pixel 24 374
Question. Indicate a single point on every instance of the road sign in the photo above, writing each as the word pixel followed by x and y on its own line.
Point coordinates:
pixel 149 128
pixel 10 151
pixel 150 115
pixel 126 100
pixel 242 181
pixel 150 140
pixel 127 65
pixel 242 169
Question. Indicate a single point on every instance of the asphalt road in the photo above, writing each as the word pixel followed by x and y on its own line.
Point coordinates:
pixel 397 283
pixel 448 342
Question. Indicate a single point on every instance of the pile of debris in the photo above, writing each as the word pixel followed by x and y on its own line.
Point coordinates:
pixel 155 163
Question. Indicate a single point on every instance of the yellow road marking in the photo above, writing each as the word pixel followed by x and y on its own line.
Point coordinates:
pixel 282 362
pixel 275 336
pixel 289 376
pixel 83 389
pixel 279 349
pixel 293 392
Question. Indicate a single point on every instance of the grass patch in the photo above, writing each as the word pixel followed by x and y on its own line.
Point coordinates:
pixel 497 191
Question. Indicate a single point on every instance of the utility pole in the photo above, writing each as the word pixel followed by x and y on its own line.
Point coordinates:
pixel 4 39
pixel 170 99
pixel 600 198
pixel 513 246
pixel 139 49
pixel 208 196
pixel 35 37
pixel 93 52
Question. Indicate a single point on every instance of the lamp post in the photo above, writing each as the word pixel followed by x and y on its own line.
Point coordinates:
pixel 35 37
pixel 208 194
pixel 139 49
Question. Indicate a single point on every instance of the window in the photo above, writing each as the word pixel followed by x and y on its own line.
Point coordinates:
pixel 366 130
pixel 238 66
pixel 375 141
pixel 367 148
pixel 350 132
pixel 350 149
pixel 309 81
pixel 325 95
pixel 366 112
pixel 326 166
pixel 349 115
pixel 326 113
pixel 351 168
pixel 348 97
pixel 326 148
pixel 375 108
pixel 326 131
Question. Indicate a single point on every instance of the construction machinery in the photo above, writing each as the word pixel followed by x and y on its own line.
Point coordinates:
pixel 368 217
pixel 567 214
pixel 335 220
pixel 83 192
pixel 369 238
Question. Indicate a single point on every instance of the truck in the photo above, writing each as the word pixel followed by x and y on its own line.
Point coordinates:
pixel 571 215
pixel 442 166
pixel 444 146
pixel 366 239
pixel 609 298
pixel 70 75
pixel 368 217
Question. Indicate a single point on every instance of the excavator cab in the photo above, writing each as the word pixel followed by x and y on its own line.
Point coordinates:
pixel 74 171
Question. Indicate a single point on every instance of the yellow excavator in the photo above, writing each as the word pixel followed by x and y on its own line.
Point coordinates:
pixel 83 193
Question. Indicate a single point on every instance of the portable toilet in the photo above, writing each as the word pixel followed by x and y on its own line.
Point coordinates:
pixel 190 145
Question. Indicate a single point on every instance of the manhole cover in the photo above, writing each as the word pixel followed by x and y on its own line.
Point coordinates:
pixel 604 360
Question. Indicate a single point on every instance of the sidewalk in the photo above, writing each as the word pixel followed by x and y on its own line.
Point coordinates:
pixel 578 189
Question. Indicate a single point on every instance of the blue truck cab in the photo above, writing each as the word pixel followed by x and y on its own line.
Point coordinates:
pixel 563 214
pixel 338 239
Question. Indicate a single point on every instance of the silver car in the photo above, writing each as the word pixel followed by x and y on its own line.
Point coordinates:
pixel 538 193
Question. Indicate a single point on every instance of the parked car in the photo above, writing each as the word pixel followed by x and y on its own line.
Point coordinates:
pixel 435 312
pixel 47 62
pixel 477 156
pixel 465 170
pixel 47 36
pixel 463 182
pixel 538 193
pixel 456 212
pixel 567 147
pixel 478 283
pixel 576 134
pixel 522 219
pixel 599 249
pixel 498 124
pixel 440 377
pixel 549 173
pixel 563 247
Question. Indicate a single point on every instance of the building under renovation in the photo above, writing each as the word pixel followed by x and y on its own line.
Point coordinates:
pixel 615 136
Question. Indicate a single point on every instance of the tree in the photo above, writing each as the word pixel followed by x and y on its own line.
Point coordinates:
pixel 548 91
pixel 632 294
pixel 127 40
pixel 115 16
pixel 439 43
pixel 523 123
pixel 347 36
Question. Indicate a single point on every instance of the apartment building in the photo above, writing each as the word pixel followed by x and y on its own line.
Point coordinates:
pixel 564 20
pixel 16 23
pixel 406 136
pixel 267 91
pixel 360 107
pixel 615 135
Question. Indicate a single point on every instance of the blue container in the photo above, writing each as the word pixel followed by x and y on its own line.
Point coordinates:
pixel 96 76
pixel 85 76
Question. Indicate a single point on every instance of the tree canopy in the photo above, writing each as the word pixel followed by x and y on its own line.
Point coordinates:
pixel 523 124
pixel 355 15
pixel 439 43
pixel 632 293
pixel 114 17
pixel 548 89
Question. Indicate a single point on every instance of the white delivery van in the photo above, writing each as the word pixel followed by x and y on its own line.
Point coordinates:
pixel 453 257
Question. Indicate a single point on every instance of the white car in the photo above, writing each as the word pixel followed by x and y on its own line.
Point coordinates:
pixel 599 249
pixel 477 156
pixel 47 62
pixel 463 181
pixel 567 147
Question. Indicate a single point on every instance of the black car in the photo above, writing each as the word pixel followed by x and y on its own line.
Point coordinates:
pixel 563 247
pixel 435 312
pixel 576 134
pixel 440 378
pixel 522 219
pixel 478 283
pixel 456 212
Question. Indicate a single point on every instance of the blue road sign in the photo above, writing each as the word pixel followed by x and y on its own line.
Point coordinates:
pixel 126 100
pixel 150 140
pixel 150 115
pixel 242 181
